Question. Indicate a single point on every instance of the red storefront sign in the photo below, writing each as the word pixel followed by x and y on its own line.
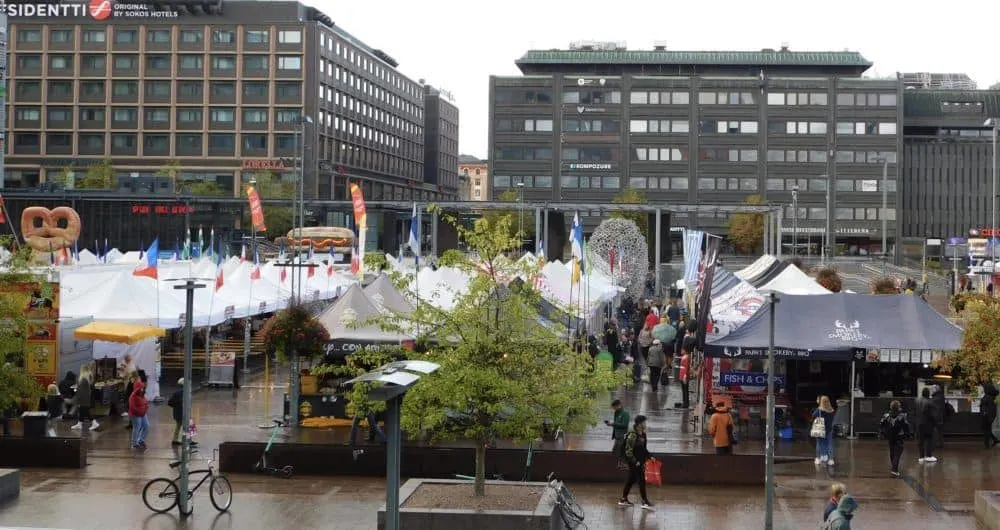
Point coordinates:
pixel 264 163
pixel 161 209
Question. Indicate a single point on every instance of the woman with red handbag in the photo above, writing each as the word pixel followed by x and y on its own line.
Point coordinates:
pixel 636 455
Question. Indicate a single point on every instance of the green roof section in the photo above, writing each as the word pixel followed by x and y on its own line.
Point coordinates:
pixel 930 103
pixel 716 58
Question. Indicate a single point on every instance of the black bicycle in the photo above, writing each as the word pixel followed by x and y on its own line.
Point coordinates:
pixel 162 494
pixel 570 511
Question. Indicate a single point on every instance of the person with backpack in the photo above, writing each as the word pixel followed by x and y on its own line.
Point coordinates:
pixel 840 519
pixel 636 455
pixel 837 492
pixel 896 429
pixel 619 426
pixel 988 410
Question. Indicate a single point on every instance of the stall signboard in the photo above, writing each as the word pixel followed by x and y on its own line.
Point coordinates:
pixel 223 358
pixel 728 352
pixel 41 309
pixel 749 379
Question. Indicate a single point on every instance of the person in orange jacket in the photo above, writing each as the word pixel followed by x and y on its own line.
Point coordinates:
pixel 719 427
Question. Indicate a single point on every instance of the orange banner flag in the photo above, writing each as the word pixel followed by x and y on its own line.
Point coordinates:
pixel 256 210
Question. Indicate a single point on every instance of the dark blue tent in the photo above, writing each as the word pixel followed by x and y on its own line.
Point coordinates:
pixel 839 326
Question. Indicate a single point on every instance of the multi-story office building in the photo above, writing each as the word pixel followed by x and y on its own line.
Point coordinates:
pixel 703 128
pixel 947 178
pixel 440 140
pixel 476 177
pixel 221 95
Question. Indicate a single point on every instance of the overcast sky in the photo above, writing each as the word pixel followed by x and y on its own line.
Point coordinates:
pixel 457 45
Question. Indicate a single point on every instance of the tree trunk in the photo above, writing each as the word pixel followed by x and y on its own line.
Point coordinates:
pixel 480 469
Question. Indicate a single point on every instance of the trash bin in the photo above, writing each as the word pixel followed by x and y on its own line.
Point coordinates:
pixel 34 424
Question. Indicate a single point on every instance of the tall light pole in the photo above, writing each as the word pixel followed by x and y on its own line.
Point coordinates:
pixel 520 212
pixel 769 429
pixel 828 231
pixel 303 120
pixel 884 214
pixel 994 123
pixel 795 221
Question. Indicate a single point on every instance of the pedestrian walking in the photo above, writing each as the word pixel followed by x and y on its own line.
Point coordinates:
pixel 943 413
pixel 138 406
pixel 683 376
pixel 837 492
pixel 720 428
pixel 896 429
pixel 619 425
pixel 926 420
pixel 83 399
pixel 636 455
pixel 988 413
pixel 840 519
pixel 822 430
pixel 657 360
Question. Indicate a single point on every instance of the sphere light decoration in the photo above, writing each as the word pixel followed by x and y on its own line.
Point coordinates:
pixel 620 236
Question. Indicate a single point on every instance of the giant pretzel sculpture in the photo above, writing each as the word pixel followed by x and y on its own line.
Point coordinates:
pixel 42 232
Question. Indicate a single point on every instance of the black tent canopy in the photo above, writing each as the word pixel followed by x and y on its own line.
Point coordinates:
pixel 839 326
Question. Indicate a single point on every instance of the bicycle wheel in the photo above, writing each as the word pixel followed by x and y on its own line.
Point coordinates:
pixel 221 493
pixel 160 495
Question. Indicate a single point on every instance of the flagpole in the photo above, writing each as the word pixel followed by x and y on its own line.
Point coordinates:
pixel 569 309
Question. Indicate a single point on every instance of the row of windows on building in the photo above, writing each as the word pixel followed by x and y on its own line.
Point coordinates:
pixel 712 126
pixel 375 93
pixel 125 35
pixel 503 96
pixel 363 109
pixel 152 143
pixel 681 153
pixel 59 90
pixel 97 117
pixel 403 162
pixel 128 64
pixel 357 133
pixel 750 183
pixel 377 68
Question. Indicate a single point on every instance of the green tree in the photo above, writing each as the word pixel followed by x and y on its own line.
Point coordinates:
pixel 746 230
pixel 502 373
pixel 978 361
pixel 884 285
pixel 277 218
pixel 527 217
pixel 171 170
pixel 632 196
pixel 100 176
pixel 830 279
pixel 204 188
pixel 15 384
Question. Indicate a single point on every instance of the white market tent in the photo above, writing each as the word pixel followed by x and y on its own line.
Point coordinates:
pixel 754 269
pixel 386 297
pixel 354 317
pixel 793 281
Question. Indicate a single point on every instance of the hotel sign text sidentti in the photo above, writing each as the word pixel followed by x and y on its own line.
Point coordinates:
pixel 44 10
pixel 99 10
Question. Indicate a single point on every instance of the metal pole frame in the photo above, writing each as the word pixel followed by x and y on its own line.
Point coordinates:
pixel 769 430
pixel 993 197
pixel 394 443
pixel 830 239
pixel 657 249
pixel 183 500
pixel 795 223
pixel 885 213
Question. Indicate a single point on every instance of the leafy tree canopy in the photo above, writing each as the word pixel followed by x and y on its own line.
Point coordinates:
pixel 978 361
pixel 746 230
pixel 527 217
pixel 632 196
pixel 100 176
pixel 15 384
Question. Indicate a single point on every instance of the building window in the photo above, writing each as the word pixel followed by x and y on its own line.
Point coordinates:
pixel 223 89
pixel 155 142
pixel 593 97
pixel 192 36
pixel 887 128
pixel 92 62
pixel 189 142
pixel 88 114
pixel 725 98
pixel 26 36
pixel 92 141
pixel 255 141
pixel 223 36
pixel 727 155
pixel 882 99
pixel 94 36
pixel 257 36
pixel 284 142
pixel 659 154
pixel 522 153
pixel 126 36
pixel 157 88
pixel 27 62
pixel 289 62
pixel 575 125
pixel 125 62
pixel 60 62
pixel 287 115
pixel 124 114
pixel 727 127
pixel 157 116
pixel 28 89
pixel 225 62
pixel 659 126
pixel 590 154
pixel 223 115
pixel 706 184
pixel 190 62
pixel 255 62
pixel 524 125
pixel 92 88
pixel 290 37
pixel 123 141
pixel 866 128
pixel 189 89
pixel 221 142
pixel 29 114
pixel 125 88
pixel 288 90
pixel 797 98
pixel 659 98
pixel 157 62
pixel 514 96
pixel 185 115
pixel 254 89
pixel 254 115
pixel 158 36
pixel 60 89
pixel 60 36
pixel 845 185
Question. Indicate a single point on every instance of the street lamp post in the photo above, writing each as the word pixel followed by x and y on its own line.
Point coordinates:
pixel 995 124
pixel 520 211
pixel 795 221
pixel 769 429
pixel 301 195
pixel 393 380
pixel 884 214
pixel 828 238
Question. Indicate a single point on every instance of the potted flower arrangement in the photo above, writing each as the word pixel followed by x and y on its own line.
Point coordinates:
pixel 295 329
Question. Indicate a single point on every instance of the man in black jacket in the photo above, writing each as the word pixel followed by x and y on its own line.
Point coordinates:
pixel 988 410
pixel 926 422
pixel 896 429
pixel 941 408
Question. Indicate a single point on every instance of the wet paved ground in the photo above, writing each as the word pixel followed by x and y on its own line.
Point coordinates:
pixel 106 495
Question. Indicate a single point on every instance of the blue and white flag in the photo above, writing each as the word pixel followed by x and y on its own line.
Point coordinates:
pixel 692 254
pixel 414 240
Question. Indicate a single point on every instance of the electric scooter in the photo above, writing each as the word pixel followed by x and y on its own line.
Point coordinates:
pixel 264 465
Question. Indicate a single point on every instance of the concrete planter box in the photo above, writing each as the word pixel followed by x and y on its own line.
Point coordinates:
pixel 544 517
pixel 987 509
pixel 10 484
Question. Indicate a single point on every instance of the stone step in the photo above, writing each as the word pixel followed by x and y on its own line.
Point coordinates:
pixel 10 484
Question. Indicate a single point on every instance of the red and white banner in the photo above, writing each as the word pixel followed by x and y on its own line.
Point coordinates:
pixel 256 210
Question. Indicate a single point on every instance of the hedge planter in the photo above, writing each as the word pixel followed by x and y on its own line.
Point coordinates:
pixel 434 504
